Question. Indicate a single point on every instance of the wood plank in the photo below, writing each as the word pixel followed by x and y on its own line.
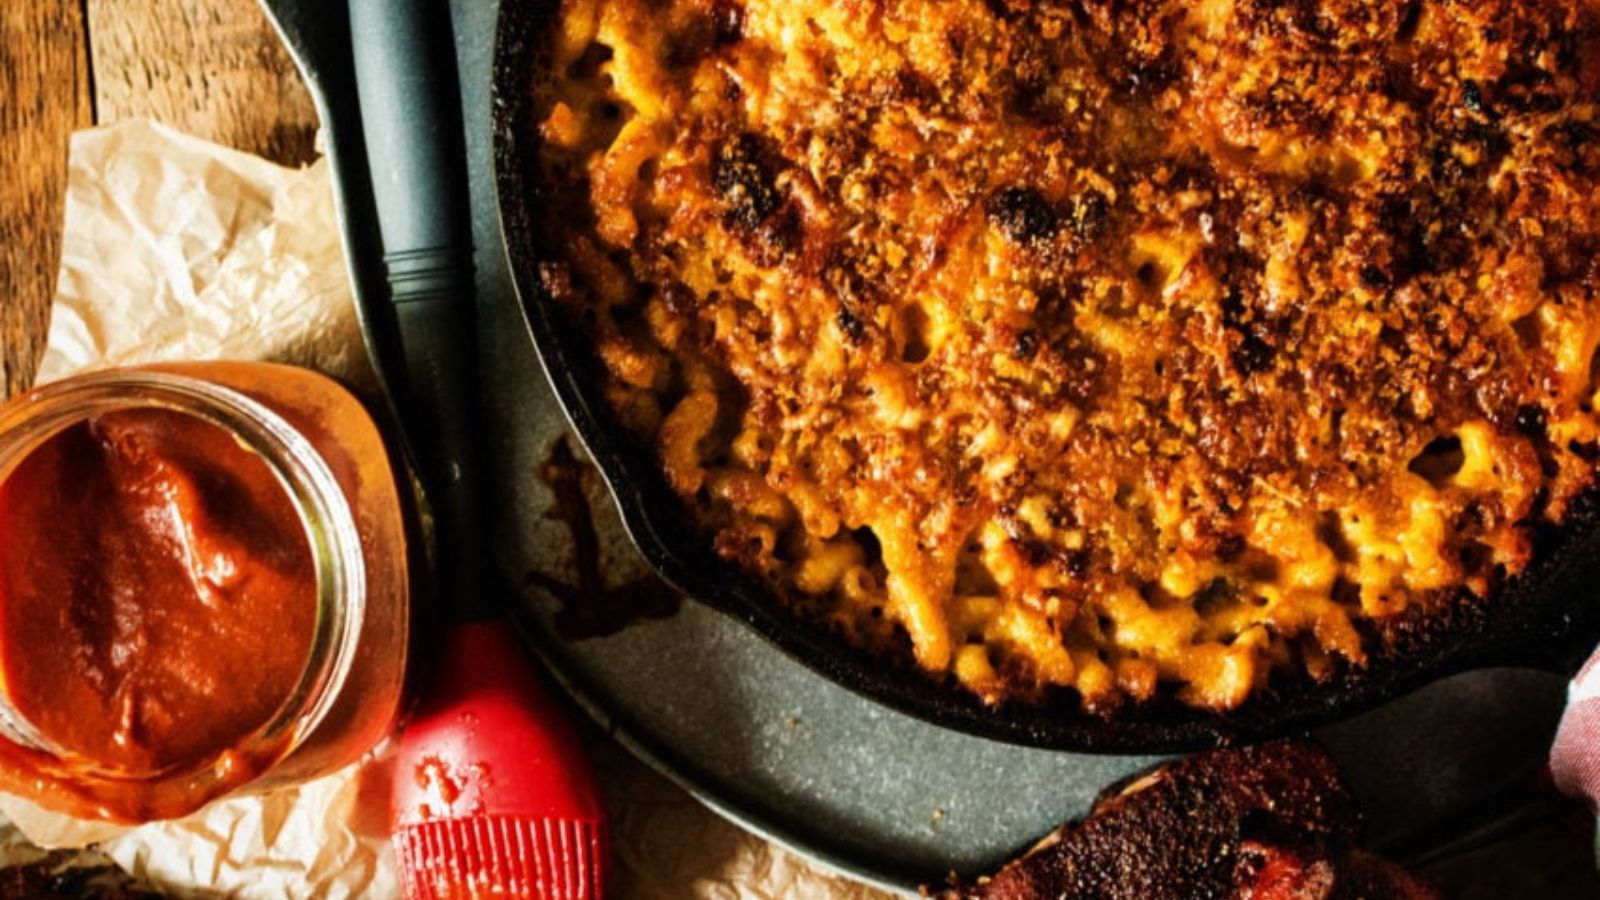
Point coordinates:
pixel 212 68
pixel 44 97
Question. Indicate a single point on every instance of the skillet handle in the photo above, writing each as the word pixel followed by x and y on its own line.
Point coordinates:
pixel 411 117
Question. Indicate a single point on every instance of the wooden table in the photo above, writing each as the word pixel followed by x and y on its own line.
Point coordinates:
pixel 214 68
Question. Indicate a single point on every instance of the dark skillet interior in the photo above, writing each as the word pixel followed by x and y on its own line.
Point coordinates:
pixel 1544 618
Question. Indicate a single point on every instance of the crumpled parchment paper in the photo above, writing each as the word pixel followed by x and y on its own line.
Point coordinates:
pixel 177 249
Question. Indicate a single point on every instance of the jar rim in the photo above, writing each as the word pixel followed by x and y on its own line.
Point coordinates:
pixel 327 520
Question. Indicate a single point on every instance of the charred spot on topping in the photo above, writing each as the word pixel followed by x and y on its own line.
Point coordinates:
pixel 743 175
pixel 1472 96
pixel 1374 277
pixel 1576 134
pixel 1526 88
pixel 1230 547
pixel 1082 368
pixel 1474 518
pixel 1409 20
pixel 678 298
pixel 1034 553
pixel 1410 242
pixel 1001 9
pixel 1077 562
pixel 1025 345
pixel 728 22
pixel 1023 215
pixel 850 278
pixel 1253 355
pixel 782 233
pixel 1531 421
pixel 1489 137
pixel 1062 516
pixel 1232 306
pixel 1153 74
pixel 911 86
pixel 852 326
pixel 1091 216
pixel 1476 557
pixel 1149 275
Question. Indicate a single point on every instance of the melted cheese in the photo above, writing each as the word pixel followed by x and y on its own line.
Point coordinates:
pixel 1101 346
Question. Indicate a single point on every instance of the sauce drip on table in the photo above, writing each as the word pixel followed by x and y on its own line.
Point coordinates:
pixel 157 592
pixel 591 608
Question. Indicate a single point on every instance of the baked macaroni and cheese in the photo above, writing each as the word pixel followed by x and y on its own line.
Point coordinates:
pixel 1112 347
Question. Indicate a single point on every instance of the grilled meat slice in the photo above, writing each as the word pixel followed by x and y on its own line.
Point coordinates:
pixel 1269 822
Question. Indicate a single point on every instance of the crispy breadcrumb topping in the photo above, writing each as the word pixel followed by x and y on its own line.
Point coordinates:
pixel 1113 346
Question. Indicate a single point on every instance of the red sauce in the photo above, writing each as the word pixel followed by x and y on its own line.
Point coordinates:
pixel 157 592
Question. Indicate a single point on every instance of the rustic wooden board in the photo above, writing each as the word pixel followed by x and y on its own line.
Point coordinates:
pixel 212 68
pixel 44 96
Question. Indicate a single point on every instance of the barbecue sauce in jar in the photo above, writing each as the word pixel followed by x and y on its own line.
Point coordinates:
pixel 157 594
pixel 203 587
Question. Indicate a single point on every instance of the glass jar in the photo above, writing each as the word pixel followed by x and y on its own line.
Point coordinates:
pixel 328 456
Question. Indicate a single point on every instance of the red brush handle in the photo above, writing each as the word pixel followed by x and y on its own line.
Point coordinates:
pixel 489 740
pixel 492 787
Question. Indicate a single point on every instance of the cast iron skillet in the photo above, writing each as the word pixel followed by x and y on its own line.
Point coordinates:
pixel 1547 618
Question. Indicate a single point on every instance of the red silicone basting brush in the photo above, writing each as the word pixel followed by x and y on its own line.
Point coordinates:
pixel 493 796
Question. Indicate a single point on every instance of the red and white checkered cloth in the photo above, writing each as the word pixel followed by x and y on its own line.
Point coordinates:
pixel 1575 759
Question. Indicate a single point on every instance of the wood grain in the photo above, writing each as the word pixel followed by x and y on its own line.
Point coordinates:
pixel 44 97
pixel 212 68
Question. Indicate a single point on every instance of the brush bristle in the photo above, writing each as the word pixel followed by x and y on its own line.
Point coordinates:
pixel 501 856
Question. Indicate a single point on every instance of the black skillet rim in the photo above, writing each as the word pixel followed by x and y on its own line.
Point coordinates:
pixel 1527 622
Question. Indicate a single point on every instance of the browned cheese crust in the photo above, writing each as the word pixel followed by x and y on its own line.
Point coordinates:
pixel 1093 345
